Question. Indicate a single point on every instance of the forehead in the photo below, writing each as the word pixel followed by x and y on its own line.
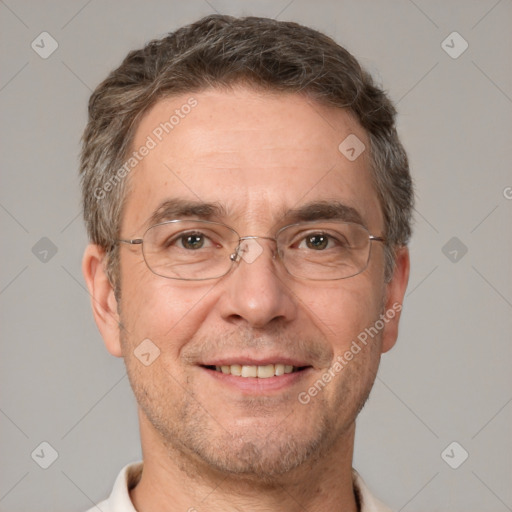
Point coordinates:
pixel 257 155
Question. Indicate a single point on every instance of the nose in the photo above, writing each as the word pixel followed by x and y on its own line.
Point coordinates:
pixel 256 291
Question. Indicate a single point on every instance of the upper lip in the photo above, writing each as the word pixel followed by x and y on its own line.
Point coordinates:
pixel 255 361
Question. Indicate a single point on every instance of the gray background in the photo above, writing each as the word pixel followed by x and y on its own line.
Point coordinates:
pixel 448 379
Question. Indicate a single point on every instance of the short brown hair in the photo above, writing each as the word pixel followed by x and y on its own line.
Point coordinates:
pixel 221 51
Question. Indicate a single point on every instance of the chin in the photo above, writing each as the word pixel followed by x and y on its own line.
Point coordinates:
pixel 263 460
pixel 259 451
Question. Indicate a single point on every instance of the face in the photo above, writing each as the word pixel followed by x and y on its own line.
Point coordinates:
pixel 258 157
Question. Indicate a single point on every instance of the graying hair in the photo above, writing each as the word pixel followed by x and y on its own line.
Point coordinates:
pixel 219 52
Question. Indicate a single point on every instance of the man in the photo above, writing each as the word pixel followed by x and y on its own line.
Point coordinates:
pixel 248 204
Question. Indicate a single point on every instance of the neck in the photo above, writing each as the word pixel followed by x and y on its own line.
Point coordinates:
pixel 174 481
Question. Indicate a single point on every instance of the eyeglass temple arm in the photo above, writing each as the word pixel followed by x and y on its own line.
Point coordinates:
pixel 135 241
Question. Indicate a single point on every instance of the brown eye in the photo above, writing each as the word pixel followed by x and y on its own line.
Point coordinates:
pixel 192 241
pixel 317 242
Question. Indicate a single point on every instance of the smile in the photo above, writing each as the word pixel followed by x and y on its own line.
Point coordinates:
pixel 260 372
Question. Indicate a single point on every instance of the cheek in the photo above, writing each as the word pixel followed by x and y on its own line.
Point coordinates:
pixel 165 311
pixel 344 309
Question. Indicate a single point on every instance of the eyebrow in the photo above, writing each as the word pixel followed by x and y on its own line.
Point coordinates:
pixel 324 210
pixel 177 208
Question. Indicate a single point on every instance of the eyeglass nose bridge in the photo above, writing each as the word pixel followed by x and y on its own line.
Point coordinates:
pixel 251 254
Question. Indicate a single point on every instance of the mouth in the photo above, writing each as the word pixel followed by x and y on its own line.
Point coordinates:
pixel 256 371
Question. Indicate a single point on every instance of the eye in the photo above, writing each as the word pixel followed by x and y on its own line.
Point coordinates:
pixel 317 242
pixel 321 241
pixel 191 241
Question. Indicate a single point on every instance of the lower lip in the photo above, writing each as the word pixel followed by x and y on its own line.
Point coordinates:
pixel 256 385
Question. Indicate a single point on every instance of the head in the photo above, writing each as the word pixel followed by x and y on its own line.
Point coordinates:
pixel 244 118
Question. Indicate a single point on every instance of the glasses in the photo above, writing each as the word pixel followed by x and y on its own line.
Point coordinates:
pixel 196 250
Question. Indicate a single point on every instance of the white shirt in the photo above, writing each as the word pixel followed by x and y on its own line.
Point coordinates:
pixel 119 499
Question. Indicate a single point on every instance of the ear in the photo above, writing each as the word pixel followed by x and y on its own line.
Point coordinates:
pixel 103 300
pixel 395 291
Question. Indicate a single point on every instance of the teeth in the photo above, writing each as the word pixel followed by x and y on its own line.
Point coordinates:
pixel 262 372
pixel 249 371
pixel 235 369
